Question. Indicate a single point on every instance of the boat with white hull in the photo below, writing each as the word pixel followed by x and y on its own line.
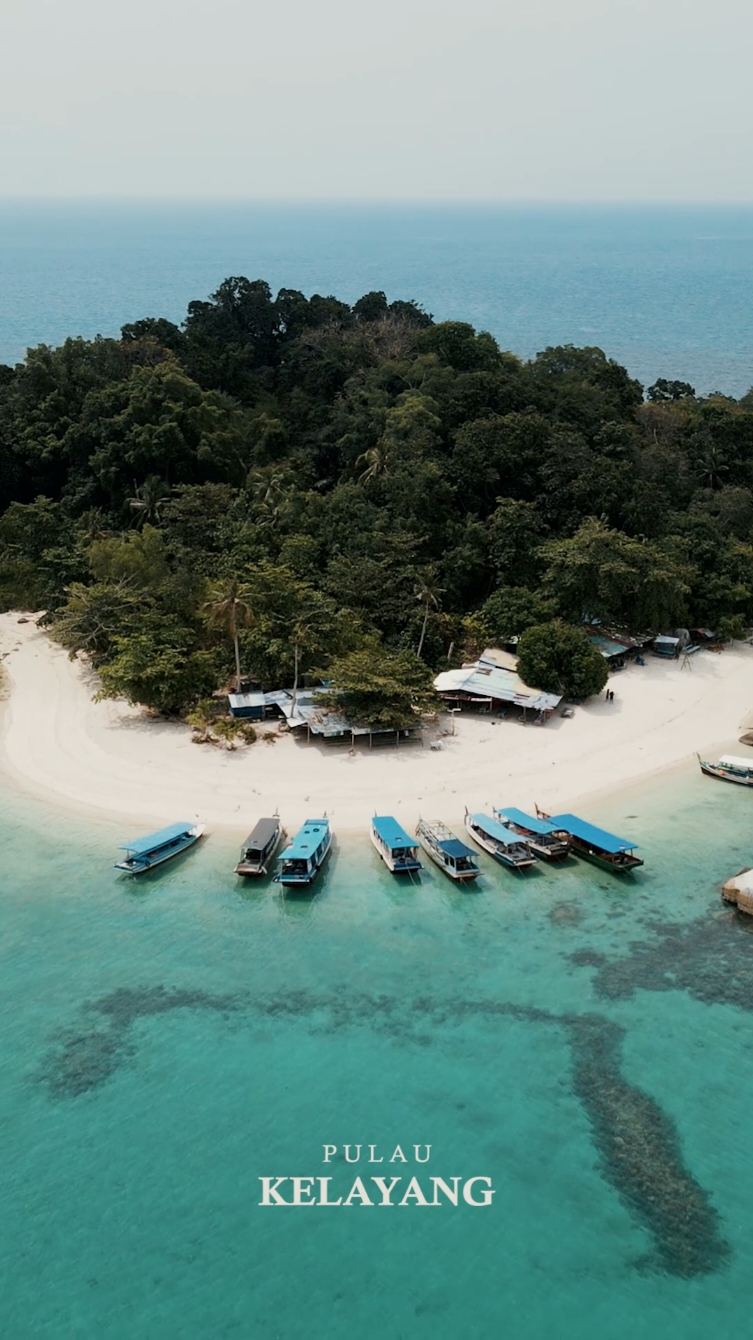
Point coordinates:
pixel 544 839
pixel 397 849
pixel 304 857
pixel 447 851
pixel 499 841
pixel 155 848
pixel 730 768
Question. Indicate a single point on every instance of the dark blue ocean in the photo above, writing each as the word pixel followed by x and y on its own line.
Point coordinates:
pixel 666 290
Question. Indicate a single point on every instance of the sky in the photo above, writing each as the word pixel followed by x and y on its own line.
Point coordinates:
pixel 614 100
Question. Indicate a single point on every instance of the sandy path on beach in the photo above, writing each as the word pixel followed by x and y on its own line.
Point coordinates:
pixel 113 760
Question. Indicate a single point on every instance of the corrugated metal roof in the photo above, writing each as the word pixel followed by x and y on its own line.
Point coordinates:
pixel 597 837
pixel 485 680
pixel 246 699
pixel 324 721
pixel 606 646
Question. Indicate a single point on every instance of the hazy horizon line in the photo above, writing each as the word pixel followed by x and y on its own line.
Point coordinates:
pixel 356 202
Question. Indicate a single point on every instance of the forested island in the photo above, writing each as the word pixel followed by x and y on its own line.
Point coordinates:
pixel 284 485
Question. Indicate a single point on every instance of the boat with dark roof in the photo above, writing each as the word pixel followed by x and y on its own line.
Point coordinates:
pixel 155 848
pixel 542 836
pixel 499 841
pixel 447 851
pixel 596 845
pixel 304 857
pixel 260 846
pixel 397 849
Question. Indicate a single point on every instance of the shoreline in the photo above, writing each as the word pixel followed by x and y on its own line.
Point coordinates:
pixel 111 762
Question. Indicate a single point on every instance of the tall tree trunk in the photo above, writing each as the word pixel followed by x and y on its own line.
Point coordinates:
pixel 423 629
pixel 237 657
pixel 297 656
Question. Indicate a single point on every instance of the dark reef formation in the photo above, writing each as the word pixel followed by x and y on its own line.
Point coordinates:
pixel 640 1154
pixel 638 1145
pixel 711 958
pixel 85 1058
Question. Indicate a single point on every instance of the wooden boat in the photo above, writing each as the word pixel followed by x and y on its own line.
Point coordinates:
pixel 397 849
pixel 304 856
pixel 596 845
pixel 447 851
pixel 260 846
pixel 541 835
pixel 730 768
pixel 499 841
pixel 147 852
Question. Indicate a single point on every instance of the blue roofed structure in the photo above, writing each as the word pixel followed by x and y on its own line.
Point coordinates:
pixel 249 705
pixel 609 648
pixel 534 825
pixel 596 837
pixel 140 846
pixel 392 833
pixel 306 840
pixel 495 830
pixel 454 847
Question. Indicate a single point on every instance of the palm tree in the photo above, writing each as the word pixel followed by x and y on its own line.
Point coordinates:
pixel 427 594
pixel 375 461
pixel 149 499
pixel 229 607
pixel 712 466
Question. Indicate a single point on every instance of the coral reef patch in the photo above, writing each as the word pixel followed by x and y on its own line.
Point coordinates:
pixel 638 1145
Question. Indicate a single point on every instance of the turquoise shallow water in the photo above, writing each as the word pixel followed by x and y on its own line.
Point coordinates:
pixel 584 1042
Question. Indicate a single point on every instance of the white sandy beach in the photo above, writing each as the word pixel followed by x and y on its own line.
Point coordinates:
pixel 115 761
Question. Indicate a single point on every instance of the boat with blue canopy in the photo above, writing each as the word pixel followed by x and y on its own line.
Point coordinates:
pixel 597 845
pixel 305 855
pixel 397 849
pixel 541 835
pixel 499 841
pixel 147 852
pixel 447 851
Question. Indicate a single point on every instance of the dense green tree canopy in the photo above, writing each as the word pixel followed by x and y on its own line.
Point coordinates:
pixel 368 479
pixel 559 658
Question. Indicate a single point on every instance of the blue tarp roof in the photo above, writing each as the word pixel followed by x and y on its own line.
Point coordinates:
pixel 454 847
pixel 159 839
pixel 306 840
pixel 496 830
pixel 391 832
pixel 528 821
pixel 598 837
pixel 607 647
